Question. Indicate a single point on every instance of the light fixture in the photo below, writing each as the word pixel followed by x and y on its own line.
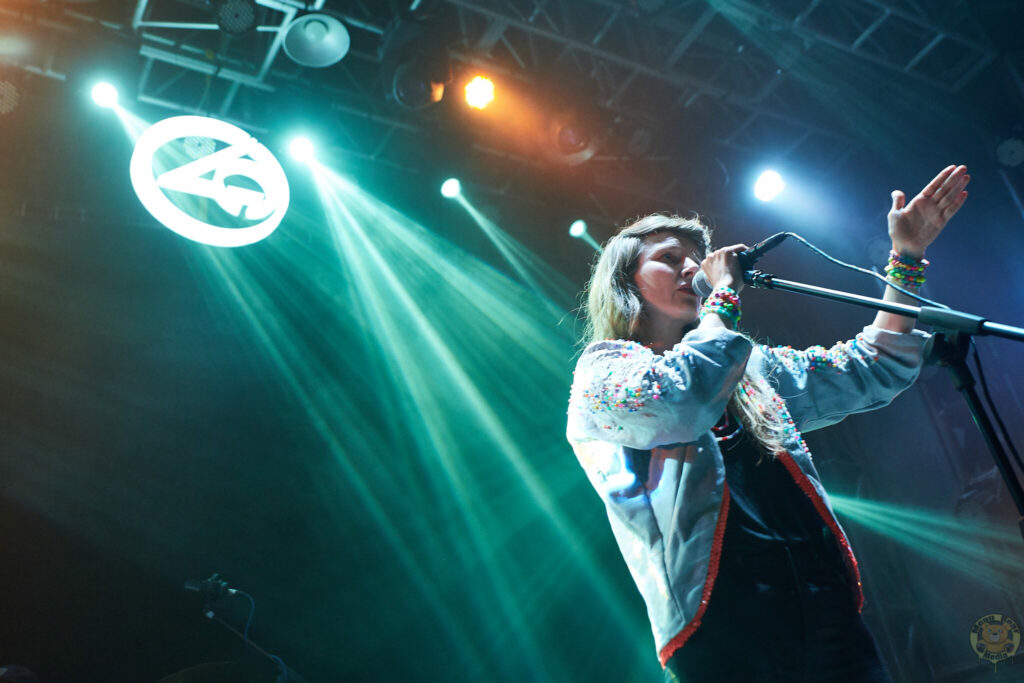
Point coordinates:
pixel 316 40
pixel 571 138
pixel 768 186
pixel 104 94
pixel 236 17
pixel 419 84
pixel 415 67
pixel 451 188
pixel 1010 152
pixel 10 96
pixel 479 92
pixel 578 228
pixel 301 149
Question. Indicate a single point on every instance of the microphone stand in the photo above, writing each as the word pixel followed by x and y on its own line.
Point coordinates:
pixel 948 347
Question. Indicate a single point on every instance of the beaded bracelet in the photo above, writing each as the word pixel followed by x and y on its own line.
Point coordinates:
pixel 725 302
pixel 905 271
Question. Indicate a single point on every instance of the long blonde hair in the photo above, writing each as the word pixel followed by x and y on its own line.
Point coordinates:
pixel 615 310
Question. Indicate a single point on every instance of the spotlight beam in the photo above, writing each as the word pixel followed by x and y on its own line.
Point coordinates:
pixel 372 272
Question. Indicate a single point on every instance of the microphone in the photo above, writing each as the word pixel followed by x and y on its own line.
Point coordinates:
pixel 747 258
pixel 211 588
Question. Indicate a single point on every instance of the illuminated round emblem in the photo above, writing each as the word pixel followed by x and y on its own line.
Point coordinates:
pixel 235 195
pixel 995 637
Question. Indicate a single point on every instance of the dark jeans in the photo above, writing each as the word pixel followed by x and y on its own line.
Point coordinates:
pixel 782 612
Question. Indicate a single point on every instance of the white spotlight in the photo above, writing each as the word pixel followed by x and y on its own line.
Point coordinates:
pixel 104 94
pixel 451 188
pixel 578 228
pixel 301 149
pixel 768 186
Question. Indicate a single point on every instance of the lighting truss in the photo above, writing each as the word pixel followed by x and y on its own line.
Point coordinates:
pixel 683 72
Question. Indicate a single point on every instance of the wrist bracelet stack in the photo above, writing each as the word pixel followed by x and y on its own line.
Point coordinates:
pixel 905 271
pixel 725 302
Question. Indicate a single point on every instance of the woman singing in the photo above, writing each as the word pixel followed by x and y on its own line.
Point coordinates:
pixel 690 433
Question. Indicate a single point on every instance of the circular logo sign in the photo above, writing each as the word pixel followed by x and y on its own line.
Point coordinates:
pixel 995 638
pixel 163 168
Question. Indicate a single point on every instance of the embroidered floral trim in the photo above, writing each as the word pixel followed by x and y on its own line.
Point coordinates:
pixel 633 393
pixel 818 357
pixel 808 488
pixel 716 556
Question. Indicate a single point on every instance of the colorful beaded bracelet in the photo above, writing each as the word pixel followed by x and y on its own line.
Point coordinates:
pixel 725 302
pixel 904 271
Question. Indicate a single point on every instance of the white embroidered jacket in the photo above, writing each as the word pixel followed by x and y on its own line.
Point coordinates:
pixel 669 527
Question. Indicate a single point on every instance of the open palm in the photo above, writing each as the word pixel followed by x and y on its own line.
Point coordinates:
pixel 914 226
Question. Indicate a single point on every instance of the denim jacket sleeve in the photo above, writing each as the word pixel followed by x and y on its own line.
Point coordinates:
pixel 822 386
pixel 625 394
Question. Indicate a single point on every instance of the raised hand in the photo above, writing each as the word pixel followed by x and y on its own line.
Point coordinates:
pixel 914 226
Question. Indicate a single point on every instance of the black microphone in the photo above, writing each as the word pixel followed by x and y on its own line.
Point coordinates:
pixel 211 588
pixel 747 258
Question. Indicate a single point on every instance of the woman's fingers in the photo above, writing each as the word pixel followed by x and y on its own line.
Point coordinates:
pixel 932 187
pixel 953 183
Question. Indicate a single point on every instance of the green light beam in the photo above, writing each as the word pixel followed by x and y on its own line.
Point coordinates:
pixel 988 554
pixel 523 262
pixel 401 230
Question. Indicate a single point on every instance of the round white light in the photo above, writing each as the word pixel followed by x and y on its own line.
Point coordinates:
pixel 301 149
pixel 104 94
pixel 768 186
pixel 451 188
pixel 578 228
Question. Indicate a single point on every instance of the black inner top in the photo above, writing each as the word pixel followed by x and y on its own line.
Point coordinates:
pixel 766 505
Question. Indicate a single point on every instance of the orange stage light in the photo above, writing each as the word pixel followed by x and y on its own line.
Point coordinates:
pixel 479 92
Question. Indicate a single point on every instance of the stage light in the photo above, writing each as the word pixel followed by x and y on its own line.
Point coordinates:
pixel 418 85
pixel 236 17
pixel 571 137
pixel 479 92
pixel 104 94
pixel 578 228
pixel 414 62
pixel 316 40
pixel 768 186
pixel 10 96
pixel 301 149
pixel 451 188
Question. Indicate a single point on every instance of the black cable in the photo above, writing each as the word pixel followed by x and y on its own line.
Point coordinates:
pixel 865 271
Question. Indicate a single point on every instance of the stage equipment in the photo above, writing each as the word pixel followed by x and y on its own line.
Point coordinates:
pixel 215 591
pixel 236 17
pixel 316 40
pixel 747 258
pixel 572 137
pixel 451 188
pixel 1010 152
pixel 947 347
pixel 768 186
pixel 578 228
pixel 104 94
pixel 301 149
pixel 415 67
pixel 479 92
pixel 10 97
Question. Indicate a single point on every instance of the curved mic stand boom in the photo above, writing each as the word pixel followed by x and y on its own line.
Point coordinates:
pixel 948 347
